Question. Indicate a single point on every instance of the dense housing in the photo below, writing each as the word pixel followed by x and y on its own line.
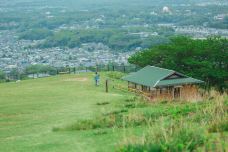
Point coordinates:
pixel 159 83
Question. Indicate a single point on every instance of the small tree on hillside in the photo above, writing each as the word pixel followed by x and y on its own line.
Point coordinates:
pixel 2 75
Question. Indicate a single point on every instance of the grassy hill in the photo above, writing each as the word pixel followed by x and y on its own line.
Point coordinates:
pixel 69 113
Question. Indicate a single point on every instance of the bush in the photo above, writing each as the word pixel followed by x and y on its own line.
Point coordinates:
pixel 2 76
pixel 115 75
pixel 38 68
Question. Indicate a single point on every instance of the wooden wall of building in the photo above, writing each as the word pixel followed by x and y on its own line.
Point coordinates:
pixel 182 92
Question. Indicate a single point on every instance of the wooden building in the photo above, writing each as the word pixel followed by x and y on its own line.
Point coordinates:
pixel 159 83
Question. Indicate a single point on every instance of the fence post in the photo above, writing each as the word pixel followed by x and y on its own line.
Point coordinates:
pixel 106 86
pixel 113 68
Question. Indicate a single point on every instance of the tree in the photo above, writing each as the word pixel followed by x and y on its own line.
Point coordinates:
pixel 36 69
pixel 35 34
pixel 2 75
pixel 203 59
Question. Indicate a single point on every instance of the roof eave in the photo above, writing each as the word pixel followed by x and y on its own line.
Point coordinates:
pixel 180 84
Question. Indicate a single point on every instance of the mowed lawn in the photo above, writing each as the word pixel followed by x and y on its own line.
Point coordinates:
pixel 30 109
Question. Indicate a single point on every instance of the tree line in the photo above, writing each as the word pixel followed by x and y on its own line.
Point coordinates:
pixel 205 59
pixel 117 40
pixel 34 70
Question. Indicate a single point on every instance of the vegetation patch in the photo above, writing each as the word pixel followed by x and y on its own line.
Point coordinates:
pixel 141 148
pixel 100 132
pixel 116 112
pixel 219 127
pixel 132 99
pixel 171 110
pixel 102 103
pixel 169 138
pixel 112 120
pixel 115 75
pixel 130 105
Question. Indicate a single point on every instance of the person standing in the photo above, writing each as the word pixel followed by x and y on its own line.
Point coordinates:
pixel 97 78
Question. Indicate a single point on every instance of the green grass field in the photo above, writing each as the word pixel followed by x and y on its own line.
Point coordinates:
pixel 31 109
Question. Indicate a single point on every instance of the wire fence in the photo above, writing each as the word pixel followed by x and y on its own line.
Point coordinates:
pixel 16 75
pixel 98 68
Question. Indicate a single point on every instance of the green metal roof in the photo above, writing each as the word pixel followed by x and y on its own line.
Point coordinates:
pixel 180 81
pixel 148 76
pixel 153 77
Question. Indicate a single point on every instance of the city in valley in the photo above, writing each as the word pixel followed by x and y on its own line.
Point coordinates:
pixel 61 35
pixel 113 75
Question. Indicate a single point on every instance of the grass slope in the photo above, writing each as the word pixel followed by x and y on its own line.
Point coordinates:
pixel 69 113
pixel 30 109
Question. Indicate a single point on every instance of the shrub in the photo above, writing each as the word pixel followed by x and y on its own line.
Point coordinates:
pixel 2 75
pixel 115 75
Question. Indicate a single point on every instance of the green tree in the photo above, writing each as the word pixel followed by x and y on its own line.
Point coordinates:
pixel 35 34
pixel 35 69
pixel 203 59
pixel 2 75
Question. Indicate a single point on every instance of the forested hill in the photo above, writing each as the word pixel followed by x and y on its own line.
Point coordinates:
pixel 121 25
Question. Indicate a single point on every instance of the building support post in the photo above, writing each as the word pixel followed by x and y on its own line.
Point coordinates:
pixel 173 93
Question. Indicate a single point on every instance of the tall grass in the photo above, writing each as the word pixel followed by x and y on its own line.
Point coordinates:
pixel 185 128
pixel 168 126
pixel 168 137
